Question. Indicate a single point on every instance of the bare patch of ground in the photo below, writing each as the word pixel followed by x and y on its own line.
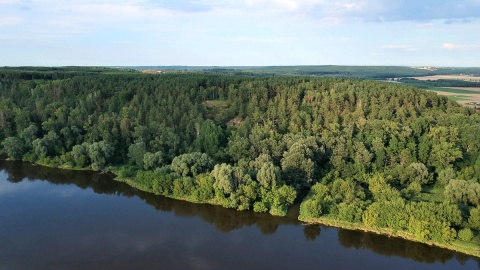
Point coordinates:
pixel 235 122
pixel 215 103
pixel 151 71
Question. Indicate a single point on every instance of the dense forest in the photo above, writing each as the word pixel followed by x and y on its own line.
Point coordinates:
pixel 379 155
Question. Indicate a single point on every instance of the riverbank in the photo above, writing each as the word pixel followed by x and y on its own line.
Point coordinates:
pixel 455 245
pixel 138 186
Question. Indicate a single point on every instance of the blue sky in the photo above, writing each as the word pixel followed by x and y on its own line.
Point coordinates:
pixel 243 32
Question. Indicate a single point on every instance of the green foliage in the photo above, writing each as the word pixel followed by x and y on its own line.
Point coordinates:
pixel 474 219
pixel 284 196
pixel 163 183
pixel 381 190
pixel 210 139
pixel 80 155
pixel 99 153
pixel 14 147
pixel 444 176
pixel 126 172
pixel 417 173
pixel 29 134
pixel 465 234
pixel 268 176
pixel 426 221
pixel 311 208
pixel 204 190
pixel 350 212
pixel 191 164
pixel 136 153
pixel 298 162
pixel 151 161
pixel 260 207
pixel 224 181
pixel 463 191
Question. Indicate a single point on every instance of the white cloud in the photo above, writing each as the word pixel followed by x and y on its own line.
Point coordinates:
pixel 448 46
pixel 468 47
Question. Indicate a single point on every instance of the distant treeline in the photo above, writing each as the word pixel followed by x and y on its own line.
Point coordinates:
pixel 54 73
pixel 363 72
pixel 438 83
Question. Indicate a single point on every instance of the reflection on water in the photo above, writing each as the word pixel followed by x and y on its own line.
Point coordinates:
pixel 227 220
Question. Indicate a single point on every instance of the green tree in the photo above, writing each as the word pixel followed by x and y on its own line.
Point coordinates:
pixel 381 190
pixel 191 164
pixel 310 208
pixel 99 154
pixel 456 191
pixel 80 155
pixel 223 178
pixel 298 162
pixel 14 147
pixel 444 176
pixel 210 139
pixel 465 234
pixel 152 160
pixel 136 153
pixel 29 134
pixel 474 219
pixel 417 172
pixel 268 176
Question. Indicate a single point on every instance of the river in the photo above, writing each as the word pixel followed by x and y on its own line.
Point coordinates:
pixel 57 219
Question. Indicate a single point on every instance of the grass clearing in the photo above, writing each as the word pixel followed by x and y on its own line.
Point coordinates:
pixel 453 90
pixel 431 194
pixel 459 98
pixel 215 108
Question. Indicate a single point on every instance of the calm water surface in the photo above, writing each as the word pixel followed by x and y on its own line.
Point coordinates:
pixel 55 219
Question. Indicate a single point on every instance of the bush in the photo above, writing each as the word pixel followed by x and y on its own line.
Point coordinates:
pixel 465 234
pixel 126 172
pixel 280 210
pixel 260 207
pixel 311 208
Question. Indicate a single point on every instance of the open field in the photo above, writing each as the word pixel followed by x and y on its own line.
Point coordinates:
pixel 456 90
pixel 463 95
pixel 449 77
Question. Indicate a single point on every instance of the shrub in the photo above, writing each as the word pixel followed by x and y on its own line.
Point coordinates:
pixel 465 234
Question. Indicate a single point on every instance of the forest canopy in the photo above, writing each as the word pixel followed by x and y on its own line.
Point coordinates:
pixel 378 154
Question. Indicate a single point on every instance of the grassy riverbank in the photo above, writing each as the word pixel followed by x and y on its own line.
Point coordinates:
pixel 455 245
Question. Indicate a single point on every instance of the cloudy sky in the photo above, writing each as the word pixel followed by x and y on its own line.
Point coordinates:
pixel 242 32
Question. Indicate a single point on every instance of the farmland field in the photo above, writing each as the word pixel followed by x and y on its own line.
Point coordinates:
pixel 463 95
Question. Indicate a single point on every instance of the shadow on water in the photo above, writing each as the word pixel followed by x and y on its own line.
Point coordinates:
pixel 227 220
